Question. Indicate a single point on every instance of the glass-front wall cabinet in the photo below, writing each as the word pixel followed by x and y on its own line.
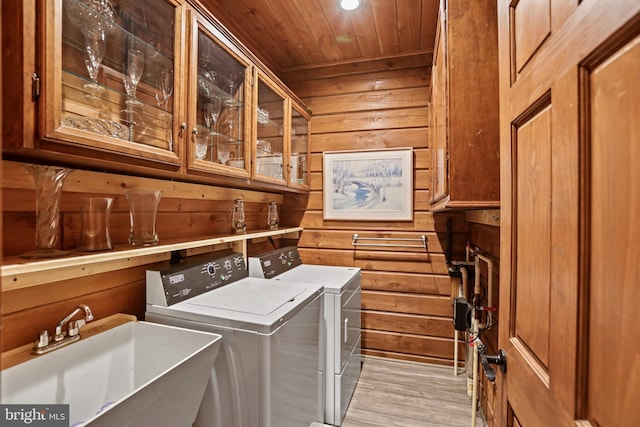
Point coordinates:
pixel 217 104
pixel 298 159
pixel 271 122
pixel 111 75
pixel 136 84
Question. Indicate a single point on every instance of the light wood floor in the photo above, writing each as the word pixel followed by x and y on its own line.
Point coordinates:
pixel 408 394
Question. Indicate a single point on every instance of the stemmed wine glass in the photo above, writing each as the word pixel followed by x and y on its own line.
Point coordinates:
pixel 94 53
pixel 135 66
pixel 211 114
pixel 232 80
pixel 231 120
pixel 164 88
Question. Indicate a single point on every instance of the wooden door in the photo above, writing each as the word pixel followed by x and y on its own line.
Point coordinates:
pixel 570 191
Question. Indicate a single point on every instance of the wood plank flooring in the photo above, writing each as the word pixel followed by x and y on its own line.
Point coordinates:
pixel 407 394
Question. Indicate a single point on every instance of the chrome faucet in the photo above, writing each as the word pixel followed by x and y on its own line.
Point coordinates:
pixel 43 344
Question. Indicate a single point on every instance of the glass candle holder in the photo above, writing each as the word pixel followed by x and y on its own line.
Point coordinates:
pixel 95 213
pixel 48 181
pixel 272 216
pixel 143 210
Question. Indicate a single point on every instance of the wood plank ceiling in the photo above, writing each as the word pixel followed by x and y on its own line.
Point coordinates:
pixel 288 35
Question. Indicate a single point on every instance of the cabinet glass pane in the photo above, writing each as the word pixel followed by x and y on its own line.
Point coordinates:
pixel 220 108
pixel 118 70
pixel 299 148
pixel 270 141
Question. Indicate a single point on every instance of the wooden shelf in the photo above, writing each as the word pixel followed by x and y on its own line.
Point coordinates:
pixel 20 273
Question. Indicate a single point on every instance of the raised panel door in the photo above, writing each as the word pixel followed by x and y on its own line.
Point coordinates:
pixel 569 205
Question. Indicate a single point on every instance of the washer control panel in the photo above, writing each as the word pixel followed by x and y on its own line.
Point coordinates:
pixel 273 263
pixel 176 284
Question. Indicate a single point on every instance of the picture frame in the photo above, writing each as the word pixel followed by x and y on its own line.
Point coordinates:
pixel 368 185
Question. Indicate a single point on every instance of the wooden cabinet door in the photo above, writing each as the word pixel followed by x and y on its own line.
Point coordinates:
pixel 439 115
pixel 570 189
pixel 107 77
pixel 272 130
pixel 218 102
pixel 299 147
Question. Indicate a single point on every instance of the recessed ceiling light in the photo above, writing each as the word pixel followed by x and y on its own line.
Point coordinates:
pixel 349 4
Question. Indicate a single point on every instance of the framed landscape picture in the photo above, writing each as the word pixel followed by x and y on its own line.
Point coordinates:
pixel 369 185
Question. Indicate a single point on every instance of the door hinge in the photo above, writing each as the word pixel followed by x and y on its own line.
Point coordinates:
pixel 35 86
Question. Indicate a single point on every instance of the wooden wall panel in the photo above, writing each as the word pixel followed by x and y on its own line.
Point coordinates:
pixel 186 211
pixel 200 210
pixel 405 297
pixel 373 138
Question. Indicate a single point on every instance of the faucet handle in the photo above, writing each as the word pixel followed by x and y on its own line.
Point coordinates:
pixel 42 341
pixel 74 327
pixel 88 314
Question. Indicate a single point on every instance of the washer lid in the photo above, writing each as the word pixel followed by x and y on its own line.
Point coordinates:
pixel 335 279
pixel 249 296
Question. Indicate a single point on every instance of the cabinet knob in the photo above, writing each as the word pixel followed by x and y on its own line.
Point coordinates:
pixel 194 131
pixel 183 127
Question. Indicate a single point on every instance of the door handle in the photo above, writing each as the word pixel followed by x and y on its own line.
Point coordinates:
pixel 346 330
pixel 499 360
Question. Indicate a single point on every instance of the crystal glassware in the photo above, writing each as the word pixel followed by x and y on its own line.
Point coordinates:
pixel 224 152
pixel 232 114
pixel 143 210
pixel 202 144
pixel 89 15
pixel 48 182
pixel 94 53
pixel 164 88
pixel 232 81
pixel 135 67
pixel 211 114
pixel 94 215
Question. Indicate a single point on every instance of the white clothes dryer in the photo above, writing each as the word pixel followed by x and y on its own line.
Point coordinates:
pixel 342 309
pixel 267 370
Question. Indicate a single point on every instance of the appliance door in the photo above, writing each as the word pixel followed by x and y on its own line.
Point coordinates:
pixel 231 396
pixel 291 389
pixel 350 323
pixel 346 383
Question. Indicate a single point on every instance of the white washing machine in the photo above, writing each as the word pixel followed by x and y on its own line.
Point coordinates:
pixel 342 292
pixel 268 370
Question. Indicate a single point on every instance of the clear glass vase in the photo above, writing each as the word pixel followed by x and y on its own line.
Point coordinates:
pixel 95 214
pixel 48 181
pixel 143 210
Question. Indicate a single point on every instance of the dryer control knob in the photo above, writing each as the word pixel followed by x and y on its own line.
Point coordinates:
pixel 211 269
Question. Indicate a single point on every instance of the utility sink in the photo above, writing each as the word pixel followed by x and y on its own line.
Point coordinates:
pixel 136 374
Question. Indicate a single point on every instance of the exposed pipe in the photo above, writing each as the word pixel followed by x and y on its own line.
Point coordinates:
pixel 489 262
pixel 476 325
pixel 465 278
pixel 465 281
pixel 474 394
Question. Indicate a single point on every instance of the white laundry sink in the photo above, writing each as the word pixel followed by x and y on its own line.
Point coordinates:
pixel 136 374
